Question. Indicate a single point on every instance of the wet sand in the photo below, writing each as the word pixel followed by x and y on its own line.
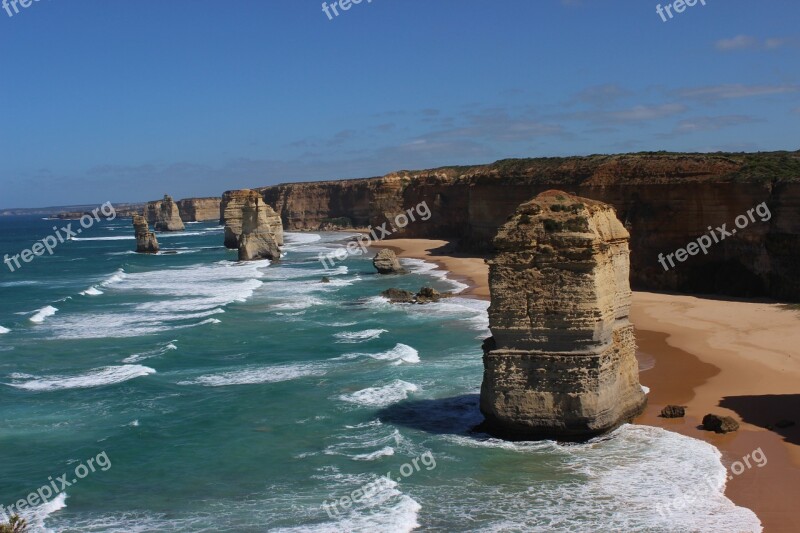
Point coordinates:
pixel 735 358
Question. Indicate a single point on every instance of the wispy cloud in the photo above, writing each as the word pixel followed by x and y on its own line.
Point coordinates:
pixel 600 95
pixel 638 113
pixel 706 123
pixel 713 93
pixel 747 42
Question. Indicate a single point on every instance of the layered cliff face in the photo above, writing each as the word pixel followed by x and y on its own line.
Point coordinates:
pixel 231 211
pixel 164 215
pixel 665 200
pixel 258 236
pixel 146 242
pixel 561 362
pixel 199 209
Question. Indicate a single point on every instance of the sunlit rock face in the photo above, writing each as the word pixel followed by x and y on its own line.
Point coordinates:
pixel 561 362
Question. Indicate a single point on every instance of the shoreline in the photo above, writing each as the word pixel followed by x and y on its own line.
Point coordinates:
pixel 728 357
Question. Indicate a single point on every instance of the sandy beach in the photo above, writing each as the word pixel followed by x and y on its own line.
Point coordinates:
pixel 723 356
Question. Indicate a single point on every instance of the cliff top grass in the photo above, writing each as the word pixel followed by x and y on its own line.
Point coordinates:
pixel 604 169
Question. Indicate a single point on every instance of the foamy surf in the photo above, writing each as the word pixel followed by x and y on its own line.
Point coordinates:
pixel 135 358
pixel 100 377
pixel 420 266
pixel 36 516
pixel 3 330
pixel 42 314
pixel 352 337
pixel 401 353
pixel 92 291
pixel 256 375
pixel 381 396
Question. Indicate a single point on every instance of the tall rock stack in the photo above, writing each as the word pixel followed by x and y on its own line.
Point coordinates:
pixel 231 212
pixel 259 238
pixel 164 215
pixel 146 242
pixel 561 362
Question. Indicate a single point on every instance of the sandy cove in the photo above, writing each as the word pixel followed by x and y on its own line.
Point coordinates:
pixel 737 358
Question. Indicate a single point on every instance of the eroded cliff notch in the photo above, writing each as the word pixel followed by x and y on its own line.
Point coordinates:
pixel 561 362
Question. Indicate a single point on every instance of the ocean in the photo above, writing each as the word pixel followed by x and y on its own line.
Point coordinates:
pixel 253 397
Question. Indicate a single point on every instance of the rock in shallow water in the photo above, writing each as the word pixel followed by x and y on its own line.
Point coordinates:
pixel 673 411
pixel 561 362
pixel 386 262
pixel 146 242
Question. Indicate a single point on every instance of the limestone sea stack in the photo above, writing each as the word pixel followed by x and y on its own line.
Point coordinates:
pixel 231 209
pixel 146 242
pixel 164 215
pixel 258 238
pixel 561 362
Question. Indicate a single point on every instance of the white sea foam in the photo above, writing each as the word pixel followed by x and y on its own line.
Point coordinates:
pixel 420 266
pixel 381 396
pixel 386 451
pixel 621 483
pixel 92 291
pixel 257 375
pixel 646 390
pixel 114 238
pixel 96 378
pixel 18 283
pixel 36 516
pixel 3 330
pixel 295 239
pixel 135 358
pixel 351 337
pixel 401 353
pixel 42 314
pixel 174 296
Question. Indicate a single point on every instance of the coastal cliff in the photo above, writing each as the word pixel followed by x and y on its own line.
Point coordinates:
pixel 199 209
pixel 665 200
pixel 561 362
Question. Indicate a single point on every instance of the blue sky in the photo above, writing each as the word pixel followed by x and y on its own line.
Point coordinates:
pixel 127 100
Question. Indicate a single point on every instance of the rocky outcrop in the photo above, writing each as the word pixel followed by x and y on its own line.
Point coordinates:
pixel 199 209
pixel 673 411
pixel 257 239
pixel 164 215
pixel 720 424
pixel 231 208
pixel 561 362
pixel 386 262
pixel 425 295
pixel 146 242
pixel 665 200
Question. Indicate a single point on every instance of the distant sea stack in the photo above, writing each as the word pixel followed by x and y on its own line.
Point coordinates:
pixel 259 235
pixel 199 209
pixel 231 212
pixel 561 362
pixel 164 215
pixel 146 242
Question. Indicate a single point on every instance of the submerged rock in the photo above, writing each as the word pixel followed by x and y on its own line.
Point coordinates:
pixel 398 296
pixel 561 362
pixel 257 239
pixel 146 242
pixel 386 262
pixel 720 424
pixel 428 295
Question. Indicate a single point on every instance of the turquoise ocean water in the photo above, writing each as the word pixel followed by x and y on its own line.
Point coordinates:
pixel 243 397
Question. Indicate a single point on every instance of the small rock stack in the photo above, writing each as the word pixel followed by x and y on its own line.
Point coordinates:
pixel 561 362
pixel 146 242
pixel 165 215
